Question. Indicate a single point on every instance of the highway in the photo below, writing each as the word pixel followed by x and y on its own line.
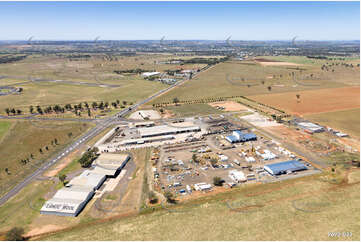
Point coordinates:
pixel 102 124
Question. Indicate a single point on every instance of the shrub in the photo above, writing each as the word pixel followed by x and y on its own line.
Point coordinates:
pixel 15 234
pixel 217 181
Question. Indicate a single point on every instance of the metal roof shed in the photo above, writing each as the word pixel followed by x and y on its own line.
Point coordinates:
pixel 231 139
pixel 284 167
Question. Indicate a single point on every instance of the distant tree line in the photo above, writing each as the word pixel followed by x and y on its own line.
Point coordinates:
pixel 132 71
pixel 76 108
pixel 11 59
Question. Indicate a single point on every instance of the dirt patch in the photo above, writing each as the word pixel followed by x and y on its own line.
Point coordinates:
pixel 43 229
pixel 168 114
pixel 313 101
pixel 145 114
pixel 267 62
pixel 66 161
pixel 229 106
pixel 276 63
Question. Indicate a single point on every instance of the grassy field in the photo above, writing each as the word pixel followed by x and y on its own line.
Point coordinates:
pixel 305 209
pixel 251 78
pixel 26 138
pixel 348 120
pixel 94 70
pixel 53 93
pixel 21 210
pixel 186 110
pixel 4 127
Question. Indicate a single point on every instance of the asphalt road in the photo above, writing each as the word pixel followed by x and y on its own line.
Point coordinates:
pixel 102 124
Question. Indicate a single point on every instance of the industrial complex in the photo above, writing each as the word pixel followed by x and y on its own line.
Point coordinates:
pixel 71 199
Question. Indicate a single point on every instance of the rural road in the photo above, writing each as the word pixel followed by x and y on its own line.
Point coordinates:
pixel 102 124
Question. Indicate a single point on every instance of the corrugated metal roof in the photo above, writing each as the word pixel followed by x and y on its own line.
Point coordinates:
pixel 283 167
pixel 232 138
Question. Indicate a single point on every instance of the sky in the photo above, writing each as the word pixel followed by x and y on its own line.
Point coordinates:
pixel 180 20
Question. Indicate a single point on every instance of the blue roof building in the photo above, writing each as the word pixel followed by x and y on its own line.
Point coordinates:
pixel 284 167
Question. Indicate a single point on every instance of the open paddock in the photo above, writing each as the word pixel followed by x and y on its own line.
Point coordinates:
pixel 313 101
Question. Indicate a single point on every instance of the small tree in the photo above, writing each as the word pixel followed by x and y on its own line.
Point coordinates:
pixel 195 158
pixel 7 110
pixel 175 100
pixel 169 196
pixel 62 178
pixel 269 88
pixel 298 97
pixel 217 181
pixel 152 197
pixel 15 234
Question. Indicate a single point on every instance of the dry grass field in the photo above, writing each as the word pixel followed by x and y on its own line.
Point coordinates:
pixel 55 93
pixel 251 78
pixel 27 137
pixel 4 127
pixel 347 121
pixel 187 110
pixel 313 101
pixel 306 209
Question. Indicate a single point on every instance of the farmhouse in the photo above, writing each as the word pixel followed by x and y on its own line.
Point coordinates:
pixel 284 167
pixel 239 136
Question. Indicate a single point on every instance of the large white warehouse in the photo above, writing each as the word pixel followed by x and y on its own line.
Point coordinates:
pixel 70 200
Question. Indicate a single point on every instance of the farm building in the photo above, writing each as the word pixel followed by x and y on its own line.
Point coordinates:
pixel 237 176
pixel 70 200
pixel 310 127
pixel 239 136
pixel 284 167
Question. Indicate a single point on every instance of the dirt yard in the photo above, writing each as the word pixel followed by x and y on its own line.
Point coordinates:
pixel 229 106
pixel 145 114
pixel 313 101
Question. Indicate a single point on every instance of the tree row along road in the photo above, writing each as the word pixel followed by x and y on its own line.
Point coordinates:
pixel 102 124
